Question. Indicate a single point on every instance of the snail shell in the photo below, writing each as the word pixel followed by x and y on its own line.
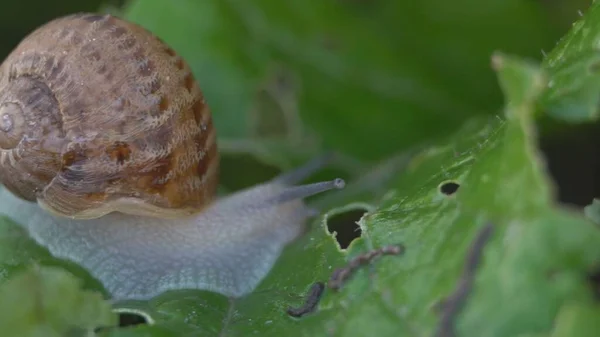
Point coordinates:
pixel 99 115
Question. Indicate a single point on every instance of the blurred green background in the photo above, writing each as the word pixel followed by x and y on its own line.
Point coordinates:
pixel 368 78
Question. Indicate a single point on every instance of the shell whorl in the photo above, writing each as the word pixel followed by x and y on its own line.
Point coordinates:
pixel 103 116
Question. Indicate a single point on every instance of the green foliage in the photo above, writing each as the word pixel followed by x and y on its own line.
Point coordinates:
pixel 538 256
pixel 574 67
pixel 48 302
pixel 366 85
pixel 287 80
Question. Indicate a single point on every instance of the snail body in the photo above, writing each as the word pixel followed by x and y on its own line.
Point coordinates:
pixel 108 158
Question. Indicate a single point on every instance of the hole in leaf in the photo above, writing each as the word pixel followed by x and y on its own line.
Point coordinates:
pixel 131 319
pixel 345 226
pixel 449 187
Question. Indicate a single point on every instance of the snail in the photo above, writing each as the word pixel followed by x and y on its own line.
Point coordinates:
pixel 108 158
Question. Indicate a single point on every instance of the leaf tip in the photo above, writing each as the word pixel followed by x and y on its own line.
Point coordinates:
pixel 521 81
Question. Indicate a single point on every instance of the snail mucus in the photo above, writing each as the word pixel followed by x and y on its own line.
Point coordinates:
pixel 108 158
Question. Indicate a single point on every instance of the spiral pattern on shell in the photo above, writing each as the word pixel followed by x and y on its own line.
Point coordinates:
pixel 98 115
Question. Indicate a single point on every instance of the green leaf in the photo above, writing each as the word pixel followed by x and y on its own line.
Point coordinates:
pixel 44 301
pixel 538 256
pixel 574 68
pixel 522 82
pixel 532 277
pixel 582 319
pixel 369 78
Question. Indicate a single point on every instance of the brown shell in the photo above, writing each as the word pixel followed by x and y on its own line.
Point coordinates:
pixel 97 115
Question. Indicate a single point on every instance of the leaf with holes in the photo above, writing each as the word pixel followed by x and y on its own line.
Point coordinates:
pixel 484 248
pixel 537 255
pixel 45 301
